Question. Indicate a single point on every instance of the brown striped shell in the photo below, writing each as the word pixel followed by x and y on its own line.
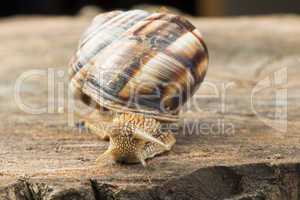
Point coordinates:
pixel 140 62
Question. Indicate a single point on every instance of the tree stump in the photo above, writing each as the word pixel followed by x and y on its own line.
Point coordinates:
pixel 240 137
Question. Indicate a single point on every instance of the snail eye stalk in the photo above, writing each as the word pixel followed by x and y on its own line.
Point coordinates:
pixel 140 134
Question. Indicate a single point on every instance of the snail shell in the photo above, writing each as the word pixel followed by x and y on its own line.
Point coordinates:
pixel 140 62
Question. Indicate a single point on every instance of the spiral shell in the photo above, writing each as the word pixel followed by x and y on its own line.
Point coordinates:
pixel 140 62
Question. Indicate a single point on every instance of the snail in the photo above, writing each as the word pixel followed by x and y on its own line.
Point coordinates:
pixel 139 68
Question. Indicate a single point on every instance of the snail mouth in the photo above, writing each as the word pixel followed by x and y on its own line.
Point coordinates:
pixel 113 154
pixel 122 159
pixel 128 153
pixel 127 159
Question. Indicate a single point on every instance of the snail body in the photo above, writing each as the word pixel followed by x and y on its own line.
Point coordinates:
pixel 142 67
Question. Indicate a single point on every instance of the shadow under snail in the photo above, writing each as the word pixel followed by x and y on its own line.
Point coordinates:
pixel 139 68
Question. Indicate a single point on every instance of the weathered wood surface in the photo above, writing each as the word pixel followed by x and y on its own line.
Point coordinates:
pixel 41 157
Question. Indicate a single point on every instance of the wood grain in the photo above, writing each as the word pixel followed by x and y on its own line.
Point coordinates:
pixel 235 153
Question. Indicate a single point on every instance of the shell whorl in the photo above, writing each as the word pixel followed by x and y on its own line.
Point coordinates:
pixel 141 62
